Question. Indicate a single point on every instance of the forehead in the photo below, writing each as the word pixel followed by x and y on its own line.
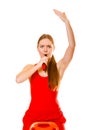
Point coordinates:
pixel 45 41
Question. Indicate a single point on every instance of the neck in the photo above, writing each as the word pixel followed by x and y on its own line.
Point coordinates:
pixel 42 73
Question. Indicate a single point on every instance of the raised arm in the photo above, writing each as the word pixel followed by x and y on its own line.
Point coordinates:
pixel 64 62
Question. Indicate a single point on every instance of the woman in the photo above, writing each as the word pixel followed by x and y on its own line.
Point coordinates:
pixel 44 84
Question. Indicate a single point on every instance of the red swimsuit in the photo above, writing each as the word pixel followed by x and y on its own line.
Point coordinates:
pixel 44 105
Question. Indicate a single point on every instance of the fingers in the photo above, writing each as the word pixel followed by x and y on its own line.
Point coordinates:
pixel 45 59
pixel 61 15
pixel 57 12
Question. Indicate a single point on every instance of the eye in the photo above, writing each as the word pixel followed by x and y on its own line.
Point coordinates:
pixel 41 46
pixel 49 46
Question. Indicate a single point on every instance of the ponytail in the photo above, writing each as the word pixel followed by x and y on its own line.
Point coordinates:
pixel 53 73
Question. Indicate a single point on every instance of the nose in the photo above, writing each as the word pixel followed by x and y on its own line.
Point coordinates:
pixel 45 49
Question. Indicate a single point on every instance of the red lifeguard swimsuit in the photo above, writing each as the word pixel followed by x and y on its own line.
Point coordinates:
pixel 44 104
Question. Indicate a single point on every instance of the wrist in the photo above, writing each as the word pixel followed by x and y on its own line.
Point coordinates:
pixel 67 21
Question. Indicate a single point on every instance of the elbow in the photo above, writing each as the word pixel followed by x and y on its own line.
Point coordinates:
pixel 18 79
pixel 73 45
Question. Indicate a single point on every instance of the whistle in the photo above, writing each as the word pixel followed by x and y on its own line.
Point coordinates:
pixel 44 66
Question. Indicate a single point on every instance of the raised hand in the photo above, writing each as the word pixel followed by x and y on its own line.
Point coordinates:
pixel 43 60
pixel 61 15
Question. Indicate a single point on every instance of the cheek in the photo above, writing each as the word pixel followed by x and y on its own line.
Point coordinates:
pixel 40 52
pixel 51 51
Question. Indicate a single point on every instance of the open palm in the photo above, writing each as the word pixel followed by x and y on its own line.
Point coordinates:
pixel 61 15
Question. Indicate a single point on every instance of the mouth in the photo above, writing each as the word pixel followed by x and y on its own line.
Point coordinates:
pixel 45 54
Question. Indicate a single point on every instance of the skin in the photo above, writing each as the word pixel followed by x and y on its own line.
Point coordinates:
pixel 46 47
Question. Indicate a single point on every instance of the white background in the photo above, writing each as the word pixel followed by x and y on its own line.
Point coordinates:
pixel 21 24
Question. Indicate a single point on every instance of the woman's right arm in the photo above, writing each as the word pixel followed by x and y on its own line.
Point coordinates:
pixel 28 70
pixel 26 73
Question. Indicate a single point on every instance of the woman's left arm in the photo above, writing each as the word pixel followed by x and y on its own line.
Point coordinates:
pixel 63 63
